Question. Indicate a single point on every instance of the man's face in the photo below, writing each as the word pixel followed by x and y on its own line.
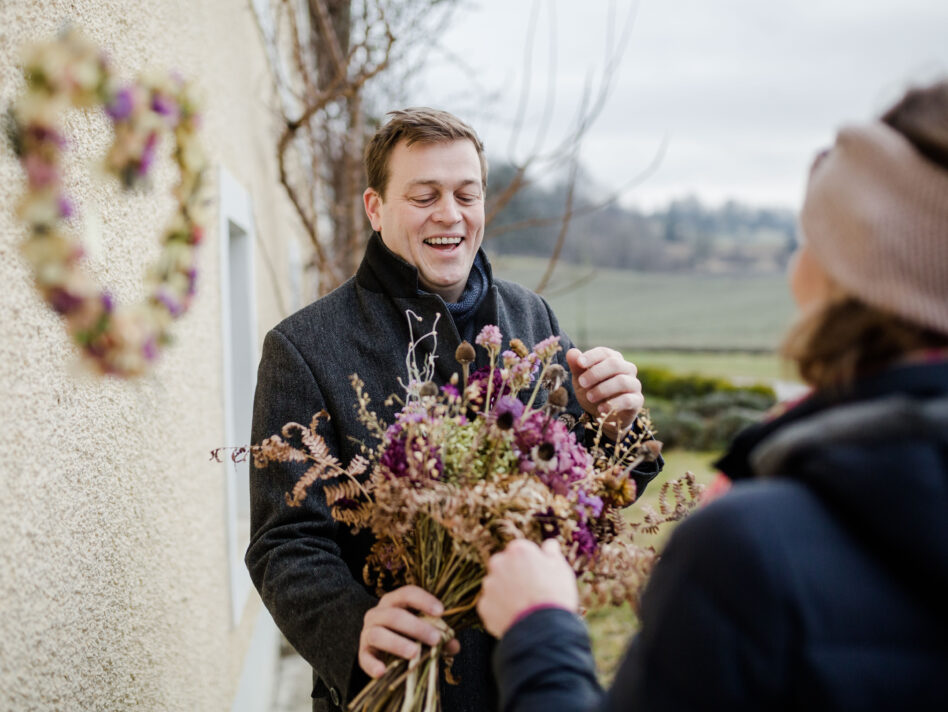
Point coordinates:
pixel 432 215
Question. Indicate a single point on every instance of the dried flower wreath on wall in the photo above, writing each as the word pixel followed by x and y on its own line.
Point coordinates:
pixel 72 72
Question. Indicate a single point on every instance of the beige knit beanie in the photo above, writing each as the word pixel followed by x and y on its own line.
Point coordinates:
pixel 875 217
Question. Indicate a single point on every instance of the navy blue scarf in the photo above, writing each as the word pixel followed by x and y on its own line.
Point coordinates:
pixel 463 311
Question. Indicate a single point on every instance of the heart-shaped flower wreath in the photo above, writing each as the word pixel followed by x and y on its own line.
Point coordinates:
pixel 72 72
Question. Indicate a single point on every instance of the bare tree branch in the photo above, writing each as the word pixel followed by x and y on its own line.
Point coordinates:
pixel 564 227
pixel 641 177
pixel 571 286
pixel 329 36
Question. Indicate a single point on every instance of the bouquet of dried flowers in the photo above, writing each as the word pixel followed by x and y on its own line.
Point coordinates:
pixel 466 468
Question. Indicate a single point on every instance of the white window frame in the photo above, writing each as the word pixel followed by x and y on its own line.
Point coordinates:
pixel 236 217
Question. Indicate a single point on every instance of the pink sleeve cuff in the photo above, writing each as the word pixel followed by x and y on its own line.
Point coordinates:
pixel 533 609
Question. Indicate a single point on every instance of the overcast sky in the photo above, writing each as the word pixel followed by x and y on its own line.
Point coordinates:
pixel 744 90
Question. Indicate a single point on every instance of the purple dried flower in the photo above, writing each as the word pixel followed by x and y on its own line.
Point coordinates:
pixel 398 457
pixel 393 459
pixel 586 540
pixel 150 349
pixel 588 505
pixel 173 307
pixel 66 208
pixel 498 389
pixel 121 105
pixel 163 105
pixel 64 301
pixel 569 461
pixel 148 154
pixel 107 302
pixel 508 404
pixel 507 411
pixel 450 391
pixel 192 281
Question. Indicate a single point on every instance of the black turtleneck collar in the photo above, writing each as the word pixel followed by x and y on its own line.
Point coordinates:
pixel 384 271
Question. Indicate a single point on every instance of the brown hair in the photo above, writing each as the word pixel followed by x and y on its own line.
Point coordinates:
pixel 846 338
pixel 415 125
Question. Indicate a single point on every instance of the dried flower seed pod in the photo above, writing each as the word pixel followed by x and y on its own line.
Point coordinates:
pixel 428 389
pixel 558 398
pixel 553 376
pixel 651 450
pixel 464 353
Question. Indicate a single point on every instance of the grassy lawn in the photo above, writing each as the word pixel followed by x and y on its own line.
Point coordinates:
pixel 610 628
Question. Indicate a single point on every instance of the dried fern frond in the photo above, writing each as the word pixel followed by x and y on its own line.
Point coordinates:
pixel 275 449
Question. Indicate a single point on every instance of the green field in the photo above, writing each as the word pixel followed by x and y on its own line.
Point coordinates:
pixel 638 310
pixel 740 367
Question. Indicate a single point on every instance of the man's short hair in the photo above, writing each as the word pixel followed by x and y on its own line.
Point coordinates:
pixel 415 125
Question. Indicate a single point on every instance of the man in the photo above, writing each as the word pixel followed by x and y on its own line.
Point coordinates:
pixel 427 177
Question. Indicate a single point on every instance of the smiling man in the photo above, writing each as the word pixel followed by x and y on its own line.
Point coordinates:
pixel 427 177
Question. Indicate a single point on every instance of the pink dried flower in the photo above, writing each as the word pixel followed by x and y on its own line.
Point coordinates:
pixel 548 348
pixel 490 338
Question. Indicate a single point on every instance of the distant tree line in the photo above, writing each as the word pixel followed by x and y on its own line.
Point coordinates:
pixel 686 235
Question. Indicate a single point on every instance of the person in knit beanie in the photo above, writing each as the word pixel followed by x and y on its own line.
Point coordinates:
pixel 818 581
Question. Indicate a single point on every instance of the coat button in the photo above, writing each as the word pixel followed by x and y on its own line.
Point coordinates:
pixel 334 696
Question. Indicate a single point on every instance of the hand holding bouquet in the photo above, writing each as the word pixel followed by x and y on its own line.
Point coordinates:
pixel 466 468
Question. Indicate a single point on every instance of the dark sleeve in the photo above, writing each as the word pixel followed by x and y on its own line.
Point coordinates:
pixel 294 557
pixel 544 663
pixel 646 471
pixel 718 629
pixel 717 625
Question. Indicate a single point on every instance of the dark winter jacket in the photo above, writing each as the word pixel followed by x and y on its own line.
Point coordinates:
pixel 819 586
pixel 308 568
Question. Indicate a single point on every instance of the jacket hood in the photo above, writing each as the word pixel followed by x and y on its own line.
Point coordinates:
pixel 879 462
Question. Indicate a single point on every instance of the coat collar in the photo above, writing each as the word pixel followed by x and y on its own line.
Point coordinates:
pixel 919 380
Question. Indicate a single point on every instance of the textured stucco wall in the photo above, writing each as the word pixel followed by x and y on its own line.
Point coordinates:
pixel 113 559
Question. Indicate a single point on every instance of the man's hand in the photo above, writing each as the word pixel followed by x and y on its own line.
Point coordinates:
pixel 392 627
pixel 604 381
pixel 523 576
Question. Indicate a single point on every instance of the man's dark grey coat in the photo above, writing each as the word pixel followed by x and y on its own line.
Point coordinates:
pixel 307 567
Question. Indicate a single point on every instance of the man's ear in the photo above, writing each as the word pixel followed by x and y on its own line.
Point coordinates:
pixel 373 202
